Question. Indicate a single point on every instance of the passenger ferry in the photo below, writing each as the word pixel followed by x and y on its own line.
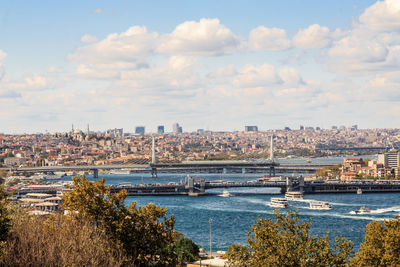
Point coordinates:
pixel 225 193
pixel 320 205
pixel 295 195
pixel 359 191
pixel 278 202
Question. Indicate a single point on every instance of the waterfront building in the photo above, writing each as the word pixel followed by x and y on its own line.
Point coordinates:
pixel 250 128
pixel 392 158
pixel 160 129
pixel 139 130
pixel 352 164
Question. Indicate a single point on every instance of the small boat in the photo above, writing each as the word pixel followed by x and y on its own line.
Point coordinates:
pixel 295 195
pixel 320 205
pixel 225 193
pixel 362 210
pixel 278 202
pixel 359 191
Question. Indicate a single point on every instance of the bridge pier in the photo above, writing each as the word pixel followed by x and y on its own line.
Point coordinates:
pixel 153 172
pixel 95 173
pixel 272 171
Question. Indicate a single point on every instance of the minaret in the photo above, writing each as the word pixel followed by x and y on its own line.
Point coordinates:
pixel 72 131
pixel 88 129
pixel 271 149
pixel 153 151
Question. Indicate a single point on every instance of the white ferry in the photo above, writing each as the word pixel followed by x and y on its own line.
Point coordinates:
pixel 225 193
pixel 278 202
pixel 359 191
pixel 295 195
pixel 320 205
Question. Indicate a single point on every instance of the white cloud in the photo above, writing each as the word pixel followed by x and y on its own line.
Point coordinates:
pixel 382 16
pixel 88 38
pixel 251 76
pixel 372 45
pixel 315 36
pixel 208 37
pixel 134 44
pixel 3 55
pixel 262 38
pixel 177 76
pixel 34 82
pixel 105 71
pixel 223 74
pixel 98 10
pixel 290 76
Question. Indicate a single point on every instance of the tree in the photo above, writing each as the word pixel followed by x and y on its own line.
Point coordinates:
pixel 58 241
pixel 381 245
pixel 4 216
pixel 145 233
pixel 287 242
pixel 186 250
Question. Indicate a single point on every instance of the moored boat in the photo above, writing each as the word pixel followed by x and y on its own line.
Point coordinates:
pixel 295 195
pixel 359 191
pixel 278 202
pixel 320 205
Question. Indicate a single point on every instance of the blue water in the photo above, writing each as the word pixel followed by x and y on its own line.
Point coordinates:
pixel 233 216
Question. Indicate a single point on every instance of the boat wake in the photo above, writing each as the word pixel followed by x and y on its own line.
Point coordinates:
pixel 385 210
pixel 251 200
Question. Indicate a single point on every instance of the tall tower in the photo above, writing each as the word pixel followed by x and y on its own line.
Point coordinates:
pixel 72 131
pixel 153 151
pixel 87 130
pixel 271 149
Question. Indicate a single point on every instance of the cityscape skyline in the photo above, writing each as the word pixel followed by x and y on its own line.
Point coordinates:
pixel 209 65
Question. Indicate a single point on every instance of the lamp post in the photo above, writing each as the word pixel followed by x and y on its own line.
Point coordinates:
pixel 210 221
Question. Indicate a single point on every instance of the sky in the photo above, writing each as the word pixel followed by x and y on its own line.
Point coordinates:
pixel 211 64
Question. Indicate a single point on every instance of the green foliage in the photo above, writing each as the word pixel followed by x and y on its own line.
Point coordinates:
pixel 145 233
pixel 381 246
pixel 58 241
pixel 4 218
pixel 287 242
pixel 186 250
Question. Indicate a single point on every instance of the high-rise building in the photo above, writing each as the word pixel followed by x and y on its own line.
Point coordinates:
pixel 392 159
pixel 301 127
pixel 250 128
pixel 176 128
pixel 160 129
pixel 139 130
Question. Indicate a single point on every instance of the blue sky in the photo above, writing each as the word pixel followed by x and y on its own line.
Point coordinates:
pixel 217 65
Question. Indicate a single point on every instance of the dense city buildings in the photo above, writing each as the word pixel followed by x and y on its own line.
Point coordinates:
pixel 115 147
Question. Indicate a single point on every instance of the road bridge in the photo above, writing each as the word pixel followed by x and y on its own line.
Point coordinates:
pixel 196 186
pixel 192 167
